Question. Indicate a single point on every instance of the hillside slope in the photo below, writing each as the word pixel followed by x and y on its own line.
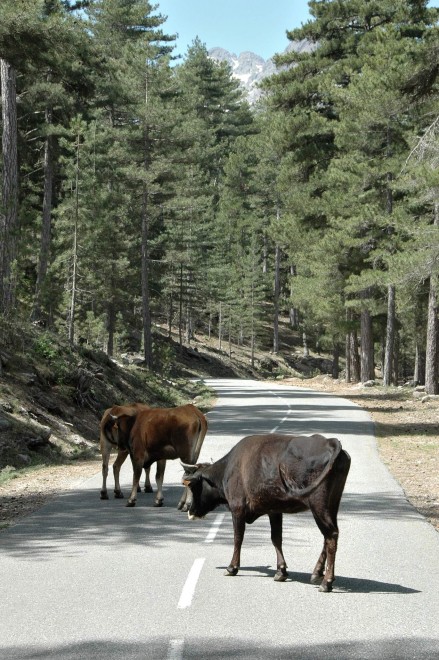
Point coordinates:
pixel 52 394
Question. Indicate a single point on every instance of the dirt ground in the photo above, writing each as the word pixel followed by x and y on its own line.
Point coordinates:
pixel 406 430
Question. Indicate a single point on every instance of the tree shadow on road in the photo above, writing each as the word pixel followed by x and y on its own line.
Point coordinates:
pixel 221 648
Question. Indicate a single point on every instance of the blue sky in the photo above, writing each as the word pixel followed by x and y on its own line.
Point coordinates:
pixel 236 25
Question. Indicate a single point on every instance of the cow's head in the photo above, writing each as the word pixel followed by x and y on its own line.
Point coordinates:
pixel 118 429
pixel 206 495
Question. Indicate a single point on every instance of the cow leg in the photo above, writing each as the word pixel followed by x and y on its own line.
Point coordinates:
pixel 159 476
pixel 276 539
pixel 137 473
pixel 238 533
pixel 329 529
pixel 120 460
pixel 148 487
pixel 326 520
pixel 105 451
pixel 318 572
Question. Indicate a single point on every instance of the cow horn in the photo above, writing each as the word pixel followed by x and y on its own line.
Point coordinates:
pixel 189 469
pixel 113 417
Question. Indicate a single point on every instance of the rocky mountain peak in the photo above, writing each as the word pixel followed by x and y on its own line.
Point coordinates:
pixel 250 69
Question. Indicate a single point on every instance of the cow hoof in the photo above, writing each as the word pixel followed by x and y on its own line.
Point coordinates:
pixel 148 489
pixel 104 496
pixel 231 571
pixel 118 495
pixel 326 587
pixel 158 503
pixel 131 504
pixel 280 576
pixel 139 490
pixel 316 578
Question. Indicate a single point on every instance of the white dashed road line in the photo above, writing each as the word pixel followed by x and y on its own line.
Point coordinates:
pixel 215 527
pixel 286 416
pixel 190 584
pixel 176 646
pixel 175 650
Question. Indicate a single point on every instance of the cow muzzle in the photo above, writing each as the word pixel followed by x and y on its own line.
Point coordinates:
pixel 192 516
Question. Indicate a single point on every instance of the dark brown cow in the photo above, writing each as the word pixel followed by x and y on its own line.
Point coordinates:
pixel 275 474
pixel 149 435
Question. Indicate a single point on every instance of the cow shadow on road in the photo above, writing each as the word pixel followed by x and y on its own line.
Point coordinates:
pixel 342 584
pixel 78 519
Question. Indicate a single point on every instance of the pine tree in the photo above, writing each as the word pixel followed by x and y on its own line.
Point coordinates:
pixel 131 92
pixel 314 95
pixel 213 116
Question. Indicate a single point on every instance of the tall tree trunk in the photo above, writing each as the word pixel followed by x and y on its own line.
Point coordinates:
pixel 367 354
pixel 348 358
pixel 264 253
pixel 220 327
pixel 431 353
pixel 252 325
pixel 347 354
pixel 335 359
pixel 171 314
pixel 389 353
pixel 294 313
pixel 419 371
pixel 180 311
pixel 305 345
pixel 111 323
pixel 146 311
pixel 46 225
pixel 396 360
pixel 276 300
pixel 230 332
pixel 9 201
pixel 72 310
pixel 355 358
pixel 388 372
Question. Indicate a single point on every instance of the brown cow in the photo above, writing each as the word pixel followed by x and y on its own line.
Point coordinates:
pixel 275 474
pixel 107 443
pixel 150 435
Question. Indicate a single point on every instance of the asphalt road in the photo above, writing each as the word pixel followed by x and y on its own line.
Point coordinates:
pixel 85 578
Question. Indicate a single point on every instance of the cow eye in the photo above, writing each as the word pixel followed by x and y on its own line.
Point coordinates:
pixel 194 481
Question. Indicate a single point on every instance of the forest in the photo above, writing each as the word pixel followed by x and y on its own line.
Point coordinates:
pixel 141 191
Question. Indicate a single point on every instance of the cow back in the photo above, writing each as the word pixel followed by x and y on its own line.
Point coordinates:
pixel 266 470
pixel 170 432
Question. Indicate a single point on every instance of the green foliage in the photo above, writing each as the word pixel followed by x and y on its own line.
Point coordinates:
pixel 169 196
pixel 45 348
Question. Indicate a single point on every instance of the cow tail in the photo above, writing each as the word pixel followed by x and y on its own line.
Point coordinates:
pixel 105 436
pixel 202 430
pixel 292 487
